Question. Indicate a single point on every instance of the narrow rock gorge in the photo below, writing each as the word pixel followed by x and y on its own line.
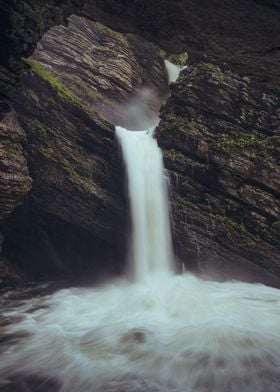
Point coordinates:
pixel 139 196
pixel 63 207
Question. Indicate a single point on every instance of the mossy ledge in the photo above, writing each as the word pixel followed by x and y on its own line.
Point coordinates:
pixel 229 143
pixel 56 84
pixel 178 59
pixel 207 67
pixel 117 36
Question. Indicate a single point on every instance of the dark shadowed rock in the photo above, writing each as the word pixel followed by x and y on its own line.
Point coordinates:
pixel 15 181
pixel 245 34
pixel 242 33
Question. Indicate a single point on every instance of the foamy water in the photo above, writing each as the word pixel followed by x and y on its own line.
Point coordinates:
pixel 174 334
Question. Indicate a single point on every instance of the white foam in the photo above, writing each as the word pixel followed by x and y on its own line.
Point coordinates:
pixel 174 334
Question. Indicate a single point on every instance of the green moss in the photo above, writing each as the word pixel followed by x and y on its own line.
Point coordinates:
pixel 173 119
pixel 200 165
pixel 120 37
pixel 178 59
pixel 43 129
pixel 176 155
pixel 163 53
pixel 71 170
pixel 56 84
pixel 94 94
pixel 186 202
pixel 12 147
pixel 230 143
pixel 253 155
pixel 207 67
pixel 233 227
pixel 48 152
pixel 236 227
pixel 272 143
pixel 85 89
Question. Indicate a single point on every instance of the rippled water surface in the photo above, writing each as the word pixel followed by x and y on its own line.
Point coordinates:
pixel 175 333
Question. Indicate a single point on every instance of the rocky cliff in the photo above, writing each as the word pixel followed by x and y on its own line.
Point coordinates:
pixel 75 215
pixel 243 34
pixel 219 128
pixel 220 135
pixel 105 69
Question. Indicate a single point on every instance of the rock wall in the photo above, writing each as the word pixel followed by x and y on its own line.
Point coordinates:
pixel 221 155
pixel 22 25
pixel 220 135
pixel 243 34
pixel 105 69
pixel 75 215
pixel 15 181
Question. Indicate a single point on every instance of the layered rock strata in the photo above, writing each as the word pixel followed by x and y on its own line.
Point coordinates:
pixel 15 181
pixel 244 34
pixel 220 135
pixel 79 77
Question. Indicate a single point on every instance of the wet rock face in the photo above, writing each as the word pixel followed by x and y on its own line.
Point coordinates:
pixel 106 69
pixel 220 135
pixel 75 215
pixel 76 185
pixel 15 181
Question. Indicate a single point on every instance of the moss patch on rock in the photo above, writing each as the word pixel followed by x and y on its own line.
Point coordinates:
pixel 70 169
pixel 176 155
pixel 120 37
pixel 42 129
pixel 48 152
pixel 12 147
pixel 207 67
pixel 56 84
pixel 230 143
pixel 175 120
pixel 178 59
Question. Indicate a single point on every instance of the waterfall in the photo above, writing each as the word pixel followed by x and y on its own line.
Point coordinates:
pixel 147 188
pixel 173 71
pixel 168 333
pixel 151 251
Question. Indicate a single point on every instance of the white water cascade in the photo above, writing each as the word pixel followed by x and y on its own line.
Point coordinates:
pixel 168 333
pixel 151 237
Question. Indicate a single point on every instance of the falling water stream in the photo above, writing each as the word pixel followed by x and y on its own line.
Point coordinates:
pixel 157 332
pixel 151 237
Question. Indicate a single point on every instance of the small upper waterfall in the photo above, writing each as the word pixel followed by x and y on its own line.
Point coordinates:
pixel 151 237
pixel 173 71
